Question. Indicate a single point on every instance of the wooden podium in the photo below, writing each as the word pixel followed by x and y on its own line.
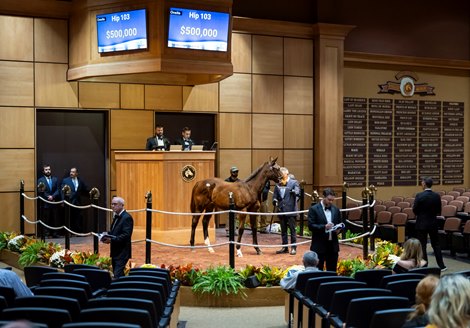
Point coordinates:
pixel 170 177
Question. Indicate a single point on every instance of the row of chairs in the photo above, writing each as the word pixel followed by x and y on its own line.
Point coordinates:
pixel 146 298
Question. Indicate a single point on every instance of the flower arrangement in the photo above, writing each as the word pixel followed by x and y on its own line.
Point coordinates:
pixel 349 267
pixel 5 237
pixel 61 258
pixel 186 274
pixel 38 251
pixel 17 243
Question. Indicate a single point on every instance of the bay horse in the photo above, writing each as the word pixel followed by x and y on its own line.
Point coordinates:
pixel 213 193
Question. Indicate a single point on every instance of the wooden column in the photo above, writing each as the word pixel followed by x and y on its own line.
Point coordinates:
pixel 328 121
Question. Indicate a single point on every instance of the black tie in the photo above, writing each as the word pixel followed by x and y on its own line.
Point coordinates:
pixel 115 219
pixel 327 208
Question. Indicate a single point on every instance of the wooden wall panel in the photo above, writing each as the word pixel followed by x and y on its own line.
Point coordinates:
pixel 267 55
pixel 163 97
pixel 235 130
pixel 17 164
pixel 132 96
pixel 50 40
pixel 300 163
pixel 298 131
pixel 241 53
pixel 201 98
pixel 11 136
pixel 16 84
pixel 130 129
pixel 267 94
pixel 298 57
pixel 298 95
pixel 112 168
pixel 51 87
pixel 239 158
pixel 262 155
pixel 11 212
pixel 267 131
pixel 98 95
pixel 235 94
pixel 16 34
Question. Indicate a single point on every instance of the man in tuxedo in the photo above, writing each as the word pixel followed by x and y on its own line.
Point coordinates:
pixel 185 140
pixel 77 189
pixel 119 237
pixel 285 196
pixel 322 217
pixel 427 206
pixel 159 141
pixel 48 189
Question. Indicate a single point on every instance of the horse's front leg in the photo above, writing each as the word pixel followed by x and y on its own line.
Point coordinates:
pixel 205 229
pixel 254 231
pixel 194 223
pixel 241 229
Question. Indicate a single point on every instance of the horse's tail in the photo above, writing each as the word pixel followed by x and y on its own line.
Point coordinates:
pixel 202 192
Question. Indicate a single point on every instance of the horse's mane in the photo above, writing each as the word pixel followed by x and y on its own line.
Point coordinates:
pixel 255 172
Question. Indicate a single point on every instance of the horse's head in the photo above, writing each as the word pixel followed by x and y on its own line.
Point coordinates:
pixel 275 173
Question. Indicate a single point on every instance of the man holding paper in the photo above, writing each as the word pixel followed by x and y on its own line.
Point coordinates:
pixel 324 221
pixel 119 237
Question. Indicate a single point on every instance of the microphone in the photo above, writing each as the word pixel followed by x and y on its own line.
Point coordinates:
pixel 214 146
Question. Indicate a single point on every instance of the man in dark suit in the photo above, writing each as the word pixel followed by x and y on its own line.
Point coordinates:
pixel 427 206
pixel 285 196
pixel 159 141
pixel 77 189
pixel 48 189
pixel 322 217
pixel 119 237
pixel 185 140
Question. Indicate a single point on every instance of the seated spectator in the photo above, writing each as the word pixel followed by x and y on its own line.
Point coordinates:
pixel 450 304
pixel 411 258
pixel 310 262
pixel 11 279
pixel 424 290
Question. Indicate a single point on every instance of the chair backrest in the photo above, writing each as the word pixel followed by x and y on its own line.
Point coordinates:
pixel 440 192
pixel 405 288
pixel 464 199
pixel 461 190
pixel 303 277
pixel 354 215
pixel 157 272
pixel 452 224
pixel 466 227
pixel 33 274
pixel 427 270
pixel 448 198
pixel 379 208
pixel 453 193
pixel 372 277
pixel 72 267
pixel 67 283
pixel 391 318
pixel 466 207
pixel 125 302
pixel 154 278
pixel 401 276
pixel 444 202
pixel 95 324
pixel 465 273
pixel 384 217
pixel 143 284
pixel 151 295
pixel 341 299
pixel 97 278
pixel 361 310
pixel 389 203
pixel 326 291
pixel 399 219
pixel 394 209
pixel 458 204
pixel 3 303
pixel 449 210
pixel 53 302
pixel 397 199
pixel 410 200
pixel 403 205
pixel 63 275
pixel 467 193
pixel 9 294
pixel 54 318
pixel 311 287
pixel 121 315
pixel 409 212
pixel 78 294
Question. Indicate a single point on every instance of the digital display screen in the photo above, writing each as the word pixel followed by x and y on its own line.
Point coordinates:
pixel 121 31
pixel 198 29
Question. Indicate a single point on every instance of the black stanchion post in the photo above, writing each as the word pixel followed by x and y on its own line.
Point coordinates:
pixel 365 239
pixel 94 197
pixel 372 191
pixel 231 231
pixel 148 229
pixel 344 205
pixel 66 190
pixel 302 207
pixel 21 207
pixel 41 230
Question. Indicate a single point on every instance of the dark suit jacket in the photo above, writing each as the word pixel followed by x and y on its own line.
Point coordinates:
pixel 317 222
pixel 49 191
pixel 180 141
pixel 122 229
pixel 288 203
pixel 152 143
pixel 427 206
pixel 75 194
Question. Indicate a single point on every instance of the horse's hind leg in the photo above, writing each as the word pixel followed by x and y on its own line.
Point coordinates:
pixel 254 231
pixel 205 228
pixel 194 223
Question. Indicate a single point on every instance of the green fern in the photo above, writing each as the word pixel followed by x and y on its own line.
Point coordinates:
pixel 31 254
pixel 219 280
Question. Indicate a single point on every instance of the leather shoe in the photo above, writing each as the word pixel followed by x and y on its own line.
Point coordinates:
pixel 282 251
pixel 293 252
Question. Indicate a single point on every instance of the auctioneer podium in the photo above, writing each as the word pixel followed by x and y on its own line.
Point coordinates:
pixel 170 176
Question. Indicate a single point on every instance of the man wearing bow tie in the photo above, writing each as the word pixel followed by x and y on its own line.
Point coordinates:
pixel 49 191
pixel 119 237
pixel 77 189
pixel 159 141
pixel 322 217
pixel 185 141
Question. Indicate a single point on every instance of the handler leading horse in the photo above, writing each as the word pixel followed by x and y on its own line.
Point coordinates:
pixel 213 193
